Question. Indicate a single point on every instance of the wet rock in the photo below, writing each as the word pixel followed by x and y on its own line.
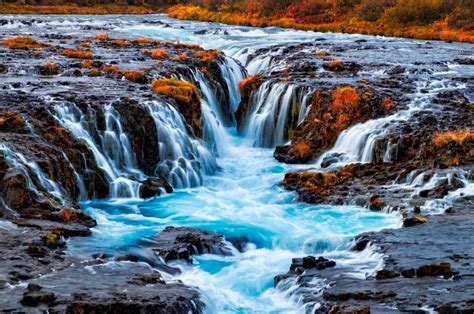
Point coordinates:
pixel 349 310
pixel 414 221
pixel 34 296
pixel 180 243
pixel 359 296
pixel 310 262
pixel 435 270
pixel 398 69
pixel 148 279
pixel 154 187
pixel 376 203
pixel 239 243
pixel 386 274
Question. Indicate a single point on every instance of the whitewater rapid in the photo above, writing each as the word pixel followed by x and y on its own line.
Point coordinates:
pixel 226 183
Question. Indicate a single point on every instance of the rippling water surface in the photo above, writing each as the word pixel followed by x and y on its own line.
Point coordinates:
pixel 244 199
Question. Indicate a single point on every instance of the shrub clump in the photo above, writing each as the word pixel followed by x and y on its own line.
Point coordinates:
pixel 78 54
pixel 142 40
pixel 179 90
pixel 207 56
pixel 249 84
pixel 121 42
pixel 135 76
pixel 22 42
pixel 159 54
pixel 458 136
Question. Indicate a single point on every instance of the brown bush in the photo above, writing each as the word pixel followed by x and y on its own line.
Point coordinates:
pixel 372 10
pixel 415 12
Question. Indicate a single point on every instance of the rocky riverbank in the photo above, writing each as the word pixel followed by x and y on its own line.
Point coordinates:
pixel 416 159
pixel 63 98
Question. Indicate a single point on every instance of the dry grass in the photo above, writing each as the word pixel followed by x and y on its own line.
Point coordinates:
pixel 102 37
pixel 121 42
pixel 180 90
pixel 23 42
pixel 159 54
pixel 142 40
pixel 207 56
pixel 457 136
pixel 78 54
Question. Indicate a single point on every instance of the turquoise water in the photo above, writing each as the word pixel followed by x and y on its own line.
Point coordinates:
pixel 243 200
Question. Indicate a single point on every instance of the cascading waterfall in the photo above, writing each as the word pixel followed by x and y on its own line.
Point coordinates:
pixel 233 73
pixel 111 151
pixel 273 106
pixel 214 133
pixel 183 159
pixel 19 162
pixel 356 144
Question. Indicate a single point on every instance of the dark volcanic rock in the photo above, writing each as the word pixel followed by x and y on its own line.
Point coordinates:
pixel 180 243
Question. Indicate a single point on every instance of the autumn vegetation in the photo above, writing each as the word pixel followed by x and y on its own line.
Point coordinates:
pixel 78 54
pixel 457 136
pixel 423 19
pixel 180 90
pixel 22 42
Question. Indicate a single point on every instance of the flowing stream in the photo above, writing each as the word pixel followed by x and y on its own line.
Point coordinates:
pixel 229 183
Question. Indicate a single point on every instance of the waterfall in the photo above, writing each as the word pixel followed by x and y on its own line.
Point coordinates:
pixel 356 144
pixel 276 109
pixel 183 159
pixel 112 151
pixel 19 162
pixel 233 73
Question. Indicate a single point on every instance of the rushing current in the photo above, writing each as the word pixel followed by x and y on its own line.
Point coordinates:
pixel 238 193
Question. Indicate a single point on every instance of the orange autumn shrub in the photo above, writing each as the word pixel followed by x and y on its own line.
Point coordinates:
pixel 22 42
pixel 78 54
pixel 111 69
pixel 159 54
pixel 335 65
pixel 102 37
pixel 180 90
pixel 388 104
pixel 249 84
pixel 457 136
pixel 135 76
pixel 95 73
pixel 49 68
pixel 143 41
pixel 302 150
pixel 182 56
pixel 344 100
pixel 207 56
pixel 121 42
pixel 86 64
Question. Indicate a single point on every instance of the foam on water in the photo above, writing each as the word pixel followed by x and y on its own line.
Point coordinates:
pixel 244 200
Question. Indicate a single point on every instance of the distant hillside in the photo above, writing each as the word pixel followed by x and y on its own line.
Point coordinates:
pixel 423 19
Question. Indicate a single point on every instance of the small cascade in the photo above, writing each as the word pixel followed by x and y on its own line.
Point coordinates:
pixel 183 159
pixel 111 149
pixel 83 195
pixel 233 73
pixel 356 144
pixel 277 108
pixel 19 162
